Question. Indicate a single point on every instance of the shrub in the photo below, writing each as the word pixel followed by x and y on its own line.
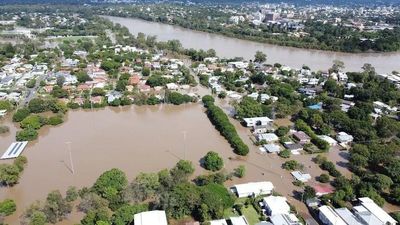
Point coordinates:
pixel 240 171
pixel 4 129
pixel 21 114
pixel 324 178
pixel 55 120
pixel 292 165
pixel 213 162
pixel 32 121
pixel 284 153
pixel 282 131
pixel 7 207
pixel 28 134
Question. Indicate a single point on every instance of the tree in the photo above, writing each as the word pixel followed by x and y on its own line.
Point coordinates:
pixel 21 114
pixel 181 200
pixel 56 207
pixel 282 131
pixel 292 165
pixel 285 153
pixel 33 122
pixel 109 186
pixel 260 57
pixel 72 194
pixel 5 105
pixel 240 171
pixel 146 72
pixel 91 201
pixel 60 81
pixel 213 162
pixel 248 107
pixel 144 186
pixel 7 207
pixel 96 217
pixel 82 77
pixel 28 134
pixel 308 193
pixel 125 214
pixel 38 218
pixel 337 65
pixel 323 178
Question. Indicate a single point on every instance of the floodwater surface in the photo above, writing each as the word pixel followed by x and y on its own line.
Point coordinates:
pixel 231 47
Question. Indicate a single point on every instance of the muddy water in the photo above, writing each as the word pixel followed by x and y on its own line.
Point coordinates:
pixel 231 47
pixel 136 139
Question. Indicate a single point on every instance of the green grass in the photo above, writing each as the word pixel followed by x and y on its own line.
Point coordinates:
pixel 250 213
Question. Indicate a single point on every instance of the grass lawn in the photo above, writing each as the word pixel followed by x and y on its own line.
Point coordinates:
pixel 250 213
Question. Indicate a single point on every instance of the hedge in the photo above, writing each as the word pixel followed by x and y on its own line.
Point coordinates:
pixel 224 126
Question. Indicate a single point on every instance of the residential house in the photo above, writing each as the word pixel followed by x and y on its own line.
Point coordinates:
pixel 151 218
pixel 295 148
pixel 343 137
pixel 252 189
pixel 328 216
pixel 321 190
pixel 301 137
pixel 348 216
pixel 285 219
pixel 113 95
pixel 257 121
pixel 300 176
pixel 276 205
pixel 272 148
pixel 217 222
pixel 369 211
pixel 238 220
pixel 268 137
pixel 331 141
pixel 96 99
pixel 134 80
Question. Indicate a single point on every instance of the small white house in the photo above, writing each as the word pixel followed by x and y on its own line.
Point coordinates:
pixel 257 121
pixel 331 141
pixel 151 218
pixel 268 137
pixel 271 148
pixel 303 177
pixel 343 137
pixel 253 189
pixel 276 205
pixel 328 216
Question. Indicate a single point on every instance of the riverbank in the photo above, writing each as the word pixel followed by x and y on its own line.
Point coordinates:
pixel 232 47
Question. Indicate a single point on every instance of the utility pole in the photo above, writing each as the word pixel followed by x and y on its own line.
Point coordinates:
pixel 184 145
pixel 70 156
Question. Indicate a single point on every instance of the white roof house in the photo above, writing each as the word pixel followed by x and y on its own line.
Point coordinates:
pixel 377 211
pixel 217 222
pixel 253 189
pixel 284 219
pixel 348 216
pixel 303 177
pixel 343 137
pixel 151 218
pixel 276 205
pixel 257 121
pixel 268 137
pixel 239 220
pixel 328 139
pixel 271 148
pixel 328 216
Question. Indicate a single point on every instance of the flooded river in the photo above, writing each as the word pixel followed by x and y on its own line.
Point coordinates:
pixel 231 47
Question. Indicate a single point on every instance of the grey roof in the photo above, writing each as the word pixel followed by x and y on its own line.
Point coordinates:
pixel 348 217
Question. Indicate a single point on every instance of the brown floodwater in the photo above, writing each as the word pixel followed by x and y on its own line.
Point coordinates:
pixel 231 47
pixel 135 139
